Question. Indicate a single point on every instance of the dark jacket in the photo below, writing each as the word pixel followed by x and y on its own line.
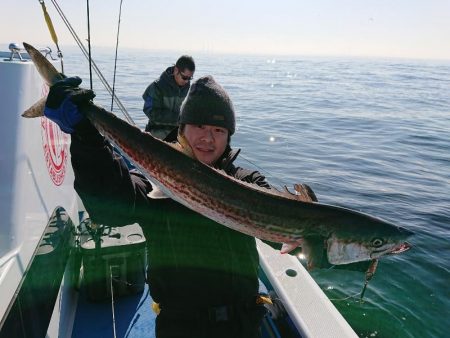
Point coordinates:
pixel 162 101
pixel 191 258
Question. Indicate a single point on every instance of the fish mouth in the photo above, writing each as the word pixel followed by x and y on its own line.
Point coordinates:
pixel 400 248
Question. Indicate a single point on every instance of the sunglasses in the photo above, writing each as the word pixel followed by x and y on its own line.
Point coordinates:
pixel 184 77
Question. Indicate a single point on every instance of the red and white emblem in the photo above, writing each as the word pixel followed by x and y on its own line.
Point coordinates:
pixel 56 149
pixel 55 144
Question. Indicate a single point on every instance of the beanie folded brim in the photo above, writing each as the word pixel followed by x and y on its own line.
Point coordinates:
pixel 209 104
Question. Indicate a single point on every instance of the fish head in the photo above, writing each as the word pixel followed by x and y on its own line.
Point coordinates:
pixel 352 248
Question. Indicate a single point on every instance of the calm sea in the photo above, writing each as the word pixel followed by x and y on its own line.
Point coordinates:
pixel 369 134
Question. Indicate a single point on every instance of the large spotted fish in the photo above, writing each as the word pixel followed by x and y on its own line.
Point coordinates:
pixel 345 235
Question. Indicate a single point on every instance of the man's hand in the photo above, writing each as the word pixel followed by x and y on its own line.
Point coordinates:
pixel 62 103
pixel 304 193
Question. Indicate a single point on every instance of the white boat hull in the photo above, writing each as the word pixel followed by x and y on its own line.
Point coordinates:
pixel 35 176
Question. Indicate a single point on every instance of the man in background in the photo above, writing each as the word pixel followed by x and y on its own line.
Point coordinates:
pixel 163 97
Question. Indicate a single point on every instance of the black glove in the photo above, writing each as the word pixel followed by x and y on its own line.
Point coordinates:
pixel 62 103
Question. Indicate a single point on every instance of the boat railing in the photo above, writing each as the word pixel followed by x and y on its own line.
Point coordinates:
pixel 18 53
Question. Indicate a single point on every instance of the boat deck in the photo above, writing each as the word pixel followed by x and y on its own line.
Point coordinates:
pixel 133 317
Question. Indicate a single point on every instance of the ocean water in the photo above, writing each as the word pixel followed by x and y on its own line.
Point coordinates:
pixel 369 134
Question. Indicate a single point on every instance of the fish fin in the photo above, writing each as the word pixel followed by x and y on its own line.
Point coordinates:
pixel 36 110
pixel 304 193
pixel 290 246
pixel 156 193
pixel 286 189
pixel 285 192
pixel 277 190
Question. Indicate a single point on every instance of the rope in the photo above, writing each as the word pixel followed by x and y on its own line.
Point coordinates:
pixel 115 59
pixel 96 69
pixel 51 29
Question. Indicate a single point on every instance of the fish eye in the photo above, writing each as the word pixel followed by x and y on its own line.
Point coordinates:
pixel 377 242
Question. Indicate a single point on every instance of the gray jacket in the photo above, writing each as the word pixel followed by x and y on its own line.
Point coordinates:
pixel 162 101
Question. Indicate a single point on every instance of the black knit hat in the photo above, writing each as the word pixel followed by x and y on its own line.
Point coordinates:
pixel 208 103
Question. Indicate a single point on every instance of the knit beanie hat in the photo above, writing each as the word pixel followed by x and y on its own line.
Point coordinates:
pixel 208 103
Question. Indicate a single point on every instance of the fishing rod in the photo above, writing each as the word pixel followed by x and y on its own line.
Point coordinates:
pixel 115 59
pixel 94 65
pixel 89 42
pixel 52 31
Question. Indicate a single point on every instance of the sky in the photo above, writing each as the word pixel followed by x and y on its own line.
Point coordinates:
pixel 368 28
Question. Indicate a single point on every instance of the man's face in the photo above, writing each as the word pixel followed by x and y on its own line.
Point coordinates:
pixel 207 142
pixel 182 76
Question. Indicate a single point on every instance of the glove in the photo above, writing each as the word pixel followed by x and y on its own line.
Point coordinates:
pixel 62 103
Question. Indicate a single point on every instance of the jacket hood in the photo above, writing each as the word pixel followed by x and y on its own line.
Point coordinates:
pixel 167 78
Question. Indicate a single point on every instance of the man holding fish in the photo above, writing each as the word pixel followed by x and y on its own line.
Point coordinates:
pixel 202 272
pixel 204 276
